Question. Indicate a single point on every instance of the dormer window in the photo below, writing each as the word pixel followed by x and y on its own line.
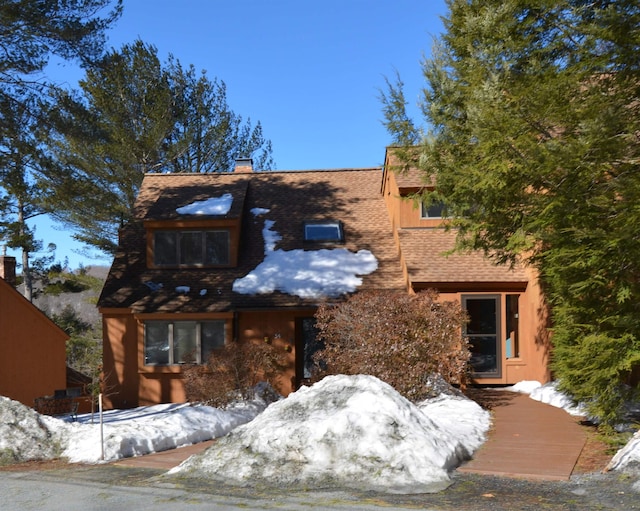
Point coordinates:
pixel 191 248
pixel 323 231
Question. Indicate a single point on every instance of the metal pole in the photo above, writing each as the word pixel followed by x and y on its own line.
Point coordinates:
pixel 101 429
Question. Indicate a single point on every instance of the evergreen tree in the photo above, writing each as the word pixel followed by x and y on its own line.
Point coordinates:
pixel 136 115
pixel 534 116
pixel 30 34
pixel 20 198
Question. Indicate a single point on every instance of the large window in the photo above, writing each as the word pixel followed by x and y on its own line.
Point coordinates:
pixel 181 342
pixel 191 248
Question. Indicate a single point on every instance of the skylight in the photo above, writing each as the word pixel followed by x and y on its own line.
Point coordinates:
pixel 323 231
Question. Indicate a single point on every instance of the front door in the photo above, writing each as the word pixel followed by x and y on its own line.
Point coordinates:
pixel 307 344
pixel 483 332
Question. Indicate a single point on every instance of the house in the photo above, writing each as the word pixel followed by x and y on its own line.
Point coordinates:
pixel 32 347
pixel 248 256
pixel 507 317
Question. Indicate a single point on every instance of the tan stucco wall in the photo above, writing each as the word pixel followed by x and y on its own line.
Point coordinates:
pixel 32 349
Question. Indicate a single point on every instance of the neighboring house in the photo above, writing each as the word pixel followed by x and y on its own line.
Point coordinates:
pixel 32 347
pixel 247 256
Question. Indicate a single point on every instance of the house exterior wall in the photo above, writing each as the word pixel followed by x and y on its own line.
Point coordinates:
pixel 130 383
pixel 534 343
pixel 531 361
pixel 32 349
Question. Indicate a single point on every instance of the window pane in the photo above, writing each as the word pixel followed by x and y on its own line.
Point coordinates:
pixel 164 249
pixel 484 356
pixel 211 337
pixel 156 343
pixel 433 211
pixel 482 316
pixel 323 232
pixel 191 248
pixel 217 247
pixel 184 342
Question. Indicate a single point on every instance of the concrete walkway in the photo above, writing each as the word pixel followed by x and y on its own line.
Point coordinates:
pixel 529 440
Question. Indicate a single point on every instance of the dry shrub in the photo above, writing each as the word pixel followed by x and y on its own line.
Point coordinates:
pixel 233 372
pixel 401 339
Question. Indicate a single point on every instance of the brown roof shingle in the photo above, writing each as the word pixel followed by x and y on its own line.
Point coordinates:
pixel 426 252
pixel 350 196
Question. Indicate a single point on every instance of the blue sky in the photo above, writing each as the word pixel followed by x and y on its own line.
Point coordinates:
pixel 309 71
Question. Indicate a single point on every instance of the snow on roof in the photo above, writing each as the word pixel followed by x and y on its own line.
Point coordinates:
pixel 213 206
pixel 305 273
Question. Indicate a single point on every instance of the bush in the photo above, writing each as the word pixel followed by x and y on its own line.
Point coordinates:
pixel 233 372
pixel 400 338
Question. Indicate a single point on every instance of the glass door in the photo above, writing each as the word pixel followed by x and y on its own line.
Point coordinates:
pixel 483 332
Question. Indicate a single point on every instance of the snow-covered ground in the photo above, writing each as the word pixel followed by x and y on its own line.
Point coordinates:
pixel 349 431
pixel 355 431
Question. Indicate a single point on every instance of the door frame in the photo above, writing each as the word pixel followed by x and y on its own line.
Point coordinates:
pixel 497 298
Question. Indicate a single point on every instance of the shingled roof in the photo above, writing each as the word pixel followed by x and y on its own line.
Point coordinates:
pixel 429 261
pixel 292 198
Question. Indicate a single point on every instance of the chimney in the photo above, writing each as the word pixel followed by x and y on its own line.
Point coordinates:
pixel 8 269
pixel 243 166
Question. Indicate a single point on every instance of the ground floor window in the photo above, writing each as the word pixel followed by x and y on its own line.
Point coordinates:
pixel 181 342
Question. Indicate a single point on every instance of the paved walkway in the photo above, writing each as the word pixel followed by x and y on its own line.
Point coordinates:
pixel 528 439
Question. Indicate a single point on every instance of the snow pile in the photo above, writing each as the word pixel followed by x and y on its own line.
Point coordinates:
pixel 549 394
pixel 212 206
pixel 350 431
pixel 627 458
pixel 24 436
pixel 149 429
pixel 307 274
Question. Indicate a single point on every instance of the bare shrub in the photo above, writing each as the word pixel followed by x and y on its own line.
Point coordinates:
pixel 233 372
pixel 400 338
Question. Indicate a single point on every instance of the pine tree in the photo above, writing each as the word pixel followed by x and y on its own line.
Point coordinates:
pixel 534 116
pixel 136 115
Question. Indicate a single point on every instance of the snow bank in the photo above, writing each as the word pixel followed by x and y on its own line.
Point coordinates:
pixel 549 394
pixel 627 458
pixel 150 429
pixel 350 431
pixel 24 435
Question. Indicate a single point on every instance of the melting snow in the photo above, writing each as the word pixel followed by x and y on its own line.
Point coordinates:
pixel 352 431
pixel 212 206
pixel 307 274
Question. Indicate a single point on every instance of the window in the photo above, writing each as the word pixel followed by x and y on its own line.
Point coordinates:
pixel 323 231
pixel 181 342
pixel 191 248
pixel 433 211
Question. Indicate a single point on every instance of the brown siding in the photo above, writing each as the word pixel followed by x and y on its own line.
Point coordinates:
pixel 32 349
pixel 120 359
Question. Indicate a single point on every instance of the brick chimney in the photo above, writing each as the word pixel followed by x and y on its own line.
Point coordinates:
pixel 8 269
pixel 243 166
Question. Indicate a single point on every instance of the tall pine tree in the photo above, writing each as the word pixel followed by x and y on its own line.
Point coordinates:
pixel 534 116
pixel 135 115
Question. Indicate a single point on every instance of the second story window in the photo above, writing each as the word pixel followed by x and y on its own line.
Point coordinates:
pixel 191 248
pixel 434 211
pixel 323 231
